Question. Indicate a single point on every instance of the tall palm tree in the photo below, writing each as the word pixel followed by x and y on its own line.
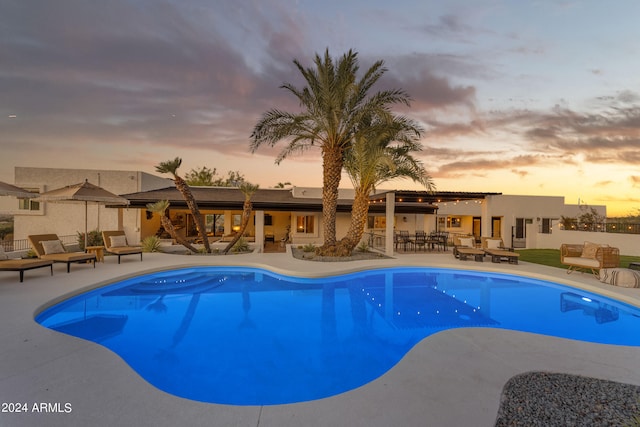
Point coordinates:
pixel 248 190
pixel 381 151
pixel 171 167
pixel 160 207
pixel 333 102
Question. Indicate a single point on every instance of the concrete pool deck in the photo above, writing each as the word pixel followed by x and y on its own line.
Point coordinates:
pixel 452 378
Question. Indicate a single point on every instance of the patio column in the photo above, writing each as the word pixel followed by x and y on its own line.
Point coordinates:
pixel 259 217
pixel 390 215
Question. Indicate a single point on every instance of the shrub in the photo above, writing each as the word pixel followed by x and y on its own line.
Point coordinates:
pixel 151 244
pixel 309 247
pixel 94 238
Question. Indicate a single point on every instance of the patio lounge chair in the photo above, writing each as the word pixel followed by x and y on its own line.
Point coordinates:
pixel 49 247
pixel 115 242
pixel 459 242
pixel 589 256
pixel 494 247
pixel 21 265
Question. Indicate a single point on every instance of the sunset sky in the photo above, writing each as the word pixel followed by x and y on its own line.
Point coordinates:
pixel 519 97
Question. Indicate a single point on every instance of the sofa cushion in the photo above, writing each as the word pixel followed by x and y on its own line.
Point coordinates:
pixel 589 250
pixel 52 247
pixel 581 262
pixel 623 277
pixel 494 243
pixel 467 241
pixel 3 254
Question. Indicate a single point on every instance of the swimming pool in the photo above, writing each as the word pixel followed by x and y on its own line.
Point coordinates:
pixel 247 336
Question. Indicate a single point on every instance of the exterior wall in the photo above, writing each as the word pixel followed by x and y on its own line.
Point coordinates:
pixel 67 219
pixel 629 244
pixel 507 208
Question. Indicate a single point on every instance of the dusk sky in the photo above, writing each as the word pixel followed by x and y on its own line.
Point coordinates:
pixel 519 97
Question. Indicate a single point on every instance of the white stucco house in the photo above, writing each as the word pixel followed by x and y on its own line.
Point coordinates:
pixel 294 214
pixel 67 219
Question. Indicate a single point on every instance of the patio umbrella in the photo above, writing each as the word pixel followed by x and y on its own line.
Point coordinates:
pixel 83 193
pixel 12 190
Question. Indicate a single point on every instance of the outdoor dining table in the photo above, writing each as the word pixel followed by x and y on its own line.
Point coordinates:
pixel 413 241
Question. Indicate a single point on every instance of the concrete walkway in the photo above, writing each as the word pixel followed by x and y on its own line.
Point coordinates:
pixel 453 378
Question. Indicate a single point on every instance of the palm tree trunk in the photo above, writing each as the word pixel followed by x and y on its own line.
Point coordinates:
pixel 331 174
pixel 246 214
pixel 169 228
pixel 182 186
pixel 359 212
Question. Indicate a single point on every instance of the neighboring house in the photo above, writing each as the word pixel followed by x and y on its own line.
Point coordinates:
pixel 67 219
pixel 293 215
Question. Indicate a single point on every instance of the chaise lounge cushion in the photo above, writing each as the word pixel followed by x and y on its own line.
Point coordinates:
pixel 622 277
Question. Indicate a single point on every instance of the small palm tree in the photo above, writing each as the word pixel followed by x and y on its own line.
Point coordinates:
pixel 248 190
pixel 381 151
pixel 334 101
pixel 160 207
pixel 171 167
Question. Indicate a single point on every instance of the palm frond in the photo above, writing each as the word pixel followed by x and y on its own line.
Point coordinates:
pixel 170 166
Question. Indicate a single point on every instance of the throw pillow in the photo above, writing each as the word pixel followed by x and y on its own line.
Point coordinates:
pixel 118 241
pixel 589 250
pixel 622 277
pixel 467 241
pixel 493 243
pixel 52 247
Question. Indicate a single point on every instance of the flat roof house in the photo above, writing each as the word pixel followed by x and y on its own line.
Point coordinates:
pixel 291 214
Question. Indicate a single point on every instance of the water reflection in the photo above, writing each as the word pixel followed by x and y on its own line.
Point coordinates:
pixel 602 312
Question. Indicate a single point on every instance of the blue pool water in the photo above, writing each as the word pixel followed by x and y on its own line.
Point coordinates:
pixel 247 336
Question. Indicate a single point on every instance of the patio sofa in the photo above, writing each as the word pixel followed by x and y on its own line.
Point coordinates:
pixel 49 247
pixel 115 242
pixel 589 256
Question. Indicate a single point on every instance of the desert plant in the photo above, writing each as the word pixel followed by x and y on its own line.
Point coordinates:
pixel 151 244
pixel 161 207
pixel 309 247
pixel 241 246
pixel 363 247
pixel 248 190
pixel 332 106
pixel 31 254
pixel 171 167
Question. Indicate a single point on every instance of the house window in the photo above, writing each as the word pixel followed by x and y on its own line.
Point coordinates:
pixel 305 224
pixel 454 222
pixel 29 204
pixel 215 224
pixel 236 221
pixel 546 226
pixel 521 229
pixel 376 222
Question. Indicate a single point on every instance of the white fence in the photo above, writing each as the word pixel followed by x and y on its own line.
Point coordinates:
pixel 629 244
